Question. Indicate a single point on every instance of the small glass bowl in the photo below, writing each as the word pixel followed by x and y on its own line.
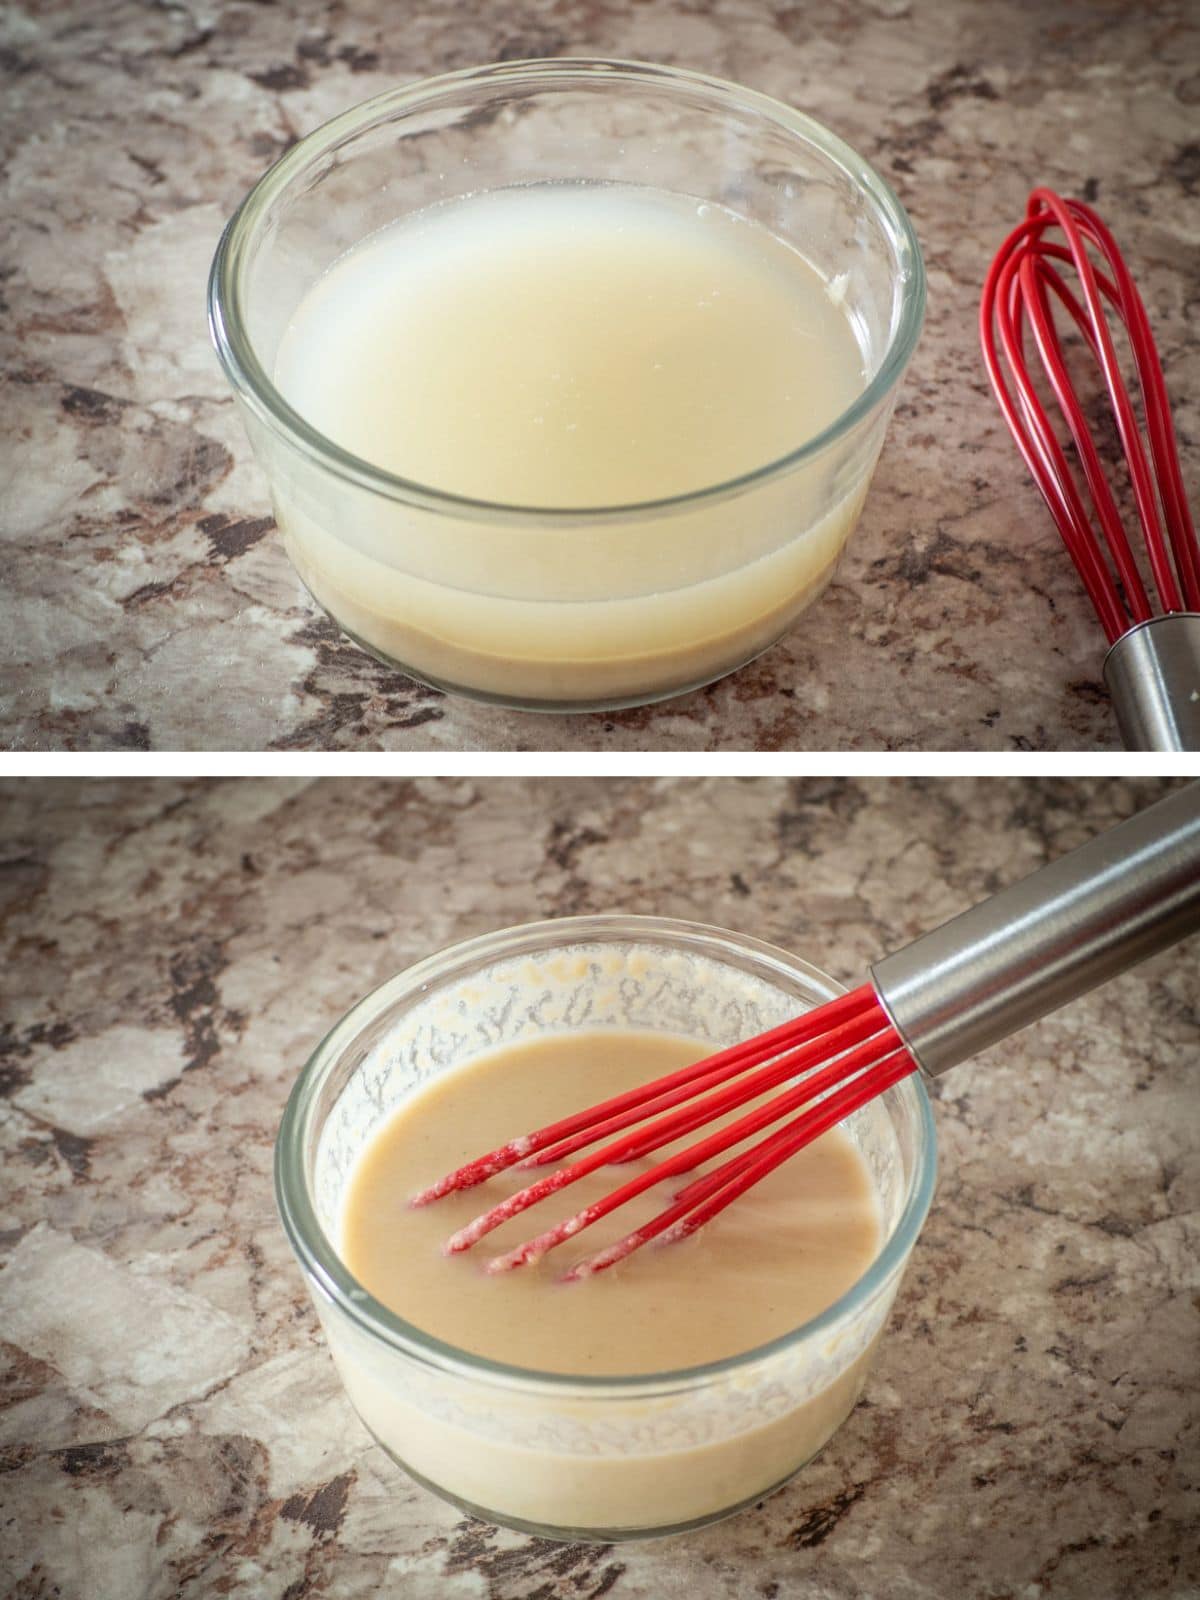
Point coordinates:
pixel 587 1457
pixel 596 607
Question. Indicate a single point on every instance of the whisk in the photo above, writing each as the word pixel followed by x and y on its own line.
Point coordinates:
pixel 1091 914
pixel 1153 664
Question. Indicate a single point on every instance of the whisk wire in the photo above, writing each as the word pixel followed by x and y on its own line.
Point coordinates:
pixel 816 1084
pixel 554 1137
pixel 1036 441
pixel 1036 277
pixel 1069 217
pixel 729 1064
pixel 667 1129
pixel 701 1201
pixel 1160 426
pixel 1018 287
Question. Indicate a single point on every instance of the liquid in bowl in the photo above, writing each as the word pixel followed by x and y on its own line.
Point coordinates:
pixel 572 346
pixel 597 1453
pixel 579 410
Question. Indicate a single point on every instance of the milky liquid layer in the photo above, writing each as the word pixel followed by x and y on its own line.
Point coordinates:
pixel 571 345
pixel 776 1258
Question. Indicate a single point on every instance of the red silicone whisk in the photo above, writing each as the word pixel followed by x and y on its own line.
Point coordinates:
pixel 1153 665
pixel 1032 947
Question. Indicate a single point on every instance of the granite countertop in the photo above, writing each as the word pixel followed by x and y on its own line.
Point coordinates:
pixel 171 1423
pixel 149 603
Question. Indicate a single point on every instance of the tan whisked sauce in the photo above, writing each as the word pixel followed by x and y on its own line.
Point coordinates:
pixel 776 1258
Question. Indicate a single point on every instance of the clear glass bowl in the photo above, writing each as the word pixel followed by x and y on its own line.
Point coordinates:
pixel 584 1457
pixel 530 606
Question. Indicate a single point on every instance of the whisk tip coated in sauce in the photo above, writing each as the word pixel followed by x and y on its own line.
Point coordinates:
pixel 785 1253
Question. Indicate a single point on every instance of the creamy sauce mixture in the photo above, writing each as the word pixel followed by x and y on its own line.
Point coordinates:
pixel 775 1258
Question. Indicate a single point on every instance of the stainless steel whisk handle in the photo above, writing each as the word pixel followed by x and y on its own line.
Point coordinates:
pixel 1071 925
pixel 1153 675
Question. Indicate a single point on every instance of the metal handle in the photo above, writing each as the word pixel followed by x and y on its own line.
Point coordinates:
pixel 1153 675
pixel 1051 937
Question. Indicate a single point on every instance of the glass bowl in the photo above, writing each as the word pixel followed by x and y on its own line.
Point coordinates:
pixel 586 1457
pixel 601 606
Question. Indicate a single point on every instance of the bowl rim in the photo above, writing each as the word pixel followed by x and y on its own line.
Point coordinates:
pixel 252 384
pixel 328 1275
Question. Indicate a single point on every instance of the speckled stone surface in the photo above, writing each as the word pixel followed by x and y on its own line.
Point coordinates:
pixel 171 1423
pixel 148 601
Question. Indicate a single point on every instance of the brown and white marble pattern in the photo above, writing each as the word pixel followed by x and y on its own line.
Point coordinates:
pixel 171 1424
pixel 147 600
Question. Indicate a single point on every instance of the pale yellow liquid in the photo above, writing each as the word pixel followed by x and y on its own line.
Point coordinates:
pixel 775 1258
pixel 572 346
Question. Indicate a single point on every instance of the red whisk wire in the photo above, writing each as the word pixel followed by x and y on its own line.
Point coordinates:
pixel 687 1160
pixel 831 1061
pixel 1160 426
pixel 1034 278
pixel 1127 426
pixel 1035 439
pixel 709 1196
pixel 553 1138
pixel 666 1129
pixel 1015 289
pixel 744 1056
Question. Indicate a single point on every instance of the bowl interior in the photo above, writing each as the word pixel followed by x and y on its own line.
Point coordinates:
pixel 564 122
pixel 540 981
